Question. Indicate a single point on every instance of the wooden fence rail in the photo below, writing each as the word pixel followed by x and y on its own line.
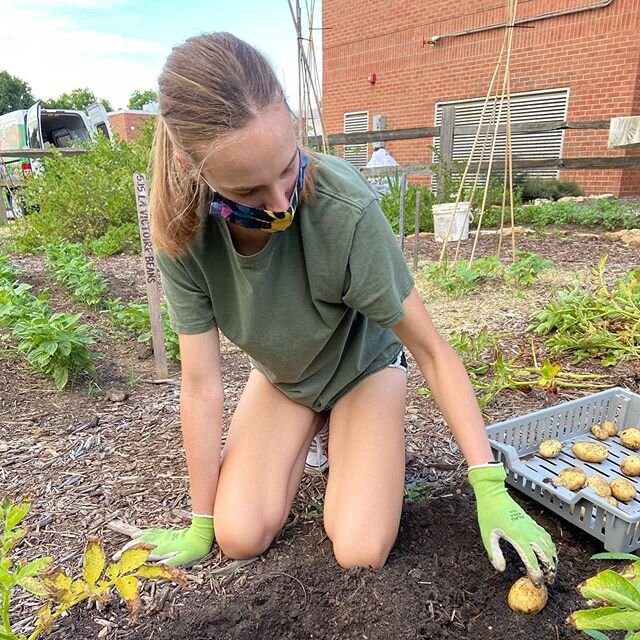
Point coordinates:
pixel 543 126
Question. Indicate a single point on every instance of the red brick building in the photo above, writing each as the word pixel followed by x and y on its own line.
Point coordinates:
pixel 575 58
pixel 125 122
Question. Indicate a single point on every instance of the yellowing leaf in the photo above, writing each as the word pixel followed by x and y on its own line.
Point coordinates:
pixel 127 587
pixel 94 560
pixel 79 587
pixel 130 560
pixel 162 572
pixel 57 583
pixel 44 619
pixel 35 586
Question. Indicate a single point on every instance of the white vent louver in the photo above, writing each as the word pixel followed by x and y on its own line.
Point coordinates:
pixel 525 107
pixel 356 121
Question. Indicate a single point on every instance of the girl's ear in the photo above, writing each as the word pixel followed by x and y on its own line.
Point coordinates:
pixel 184 164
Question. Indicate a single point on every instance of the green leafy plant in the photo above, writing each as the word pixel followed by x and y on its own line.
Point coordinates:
pixel 615 598
pixel 390 205
pixel 604 212
pixel 459 277
pixel 135 317
pixel 416 491
pixel 71 268
pixel 56 345
pixel 472 350
pixel 525 269
pixel 604 323
pixel 14 574
pixel 17 303
pixel 490 377
pixel 122 239
pixel 60 590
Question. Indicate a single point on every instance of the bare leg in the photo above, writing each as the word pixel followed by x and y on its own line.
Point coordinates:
pixel 366 474
pixel 262 465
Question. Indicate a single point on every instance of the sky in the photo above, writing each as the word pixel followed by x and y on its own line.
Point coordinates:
pixel 114 47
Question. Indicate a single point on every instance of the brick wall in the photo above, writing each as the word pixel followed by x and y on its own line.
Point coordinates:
pixel 595 53
pixel 125 123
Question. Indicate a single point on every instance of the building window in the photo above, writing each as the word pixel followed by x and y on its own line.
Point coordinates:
pixel 356 121
pixel 534 106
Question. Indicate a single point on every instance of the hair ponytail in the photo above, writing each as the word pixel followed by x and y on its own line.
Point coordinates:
pixel 174 196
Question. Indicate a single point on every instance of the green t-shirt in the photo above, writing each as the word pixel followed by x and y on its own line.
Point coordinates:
pixel 312 309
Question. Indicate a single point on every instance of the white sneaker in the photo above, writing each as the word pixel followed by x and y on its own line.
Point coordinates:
pixel 317 458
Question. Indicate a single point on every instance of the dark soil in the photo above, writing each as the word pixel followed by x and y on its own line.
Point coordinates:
pixel 87 459
pixel 437 583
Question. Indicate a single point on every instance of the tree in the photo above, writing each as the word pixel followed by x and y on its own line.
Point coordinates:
pixel 77 99
pixel 139 98
pixel 14 93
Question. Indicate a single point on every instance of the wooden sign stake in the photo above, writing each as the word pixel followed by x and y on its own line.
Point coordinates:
pixel 151 276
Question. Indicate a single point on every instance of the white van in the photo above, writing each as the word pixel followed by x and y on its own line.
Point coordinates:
pixel 37 128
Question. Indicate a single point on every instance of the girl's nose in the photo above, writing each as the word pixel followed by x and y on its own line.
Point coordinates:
pixel 277 199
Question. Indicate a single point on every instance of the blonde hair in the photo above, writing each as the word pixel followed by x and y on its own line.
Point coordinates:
pixel 211 86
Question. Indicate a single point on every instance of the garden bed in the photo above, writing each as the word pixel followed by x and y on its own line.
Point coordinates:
pixel 87 458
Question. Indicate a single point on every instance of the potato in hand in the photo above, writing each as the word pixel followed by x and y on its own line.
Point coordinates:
pixel 525 597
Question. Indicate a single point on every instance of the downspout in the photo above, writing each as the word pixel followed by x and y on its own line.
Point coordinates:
pixel 544 16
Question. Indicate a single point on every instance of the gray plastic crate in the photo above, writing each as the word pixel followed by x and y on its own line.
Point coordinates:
pixel 516 443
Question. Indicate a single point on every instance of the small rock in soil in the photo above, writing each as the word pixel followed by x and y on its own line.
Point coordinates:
pixel 117 395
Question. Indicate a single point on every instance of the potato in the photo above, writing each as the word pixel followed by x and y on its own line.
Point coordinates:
pixel 630 466
pixel 622 490
pixel 610 427
pixel 612 501
pixel 590 452
pixel 599 485
pixel 550 448
pixel 599 432
pixel 525 597
pixel 631 438
pixel 573 478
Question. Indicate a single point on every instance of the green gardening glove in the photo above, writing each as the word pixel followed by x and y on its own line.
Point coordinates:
pixel 500 517
pixel 177 547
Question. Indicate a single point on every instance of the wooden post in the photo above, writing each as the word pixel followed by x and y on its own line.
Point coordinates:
pixel 446 148
pixel 150 276
pixel 403 195
pixel 3 210
pixel 416 231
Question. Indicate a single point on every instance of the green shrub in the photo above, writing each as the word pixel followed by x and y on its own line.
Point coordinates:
pixel 79 198
pixel 122 239
pixel 548 188
pixel 390 204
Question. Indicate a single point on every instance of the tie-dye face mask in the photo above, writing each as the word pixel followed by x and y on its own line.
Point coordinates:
pixel 253 218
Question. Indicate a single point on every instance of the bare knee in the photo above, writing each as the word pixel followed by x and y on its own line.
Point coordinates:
pixel 243 541
pixel 369 552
